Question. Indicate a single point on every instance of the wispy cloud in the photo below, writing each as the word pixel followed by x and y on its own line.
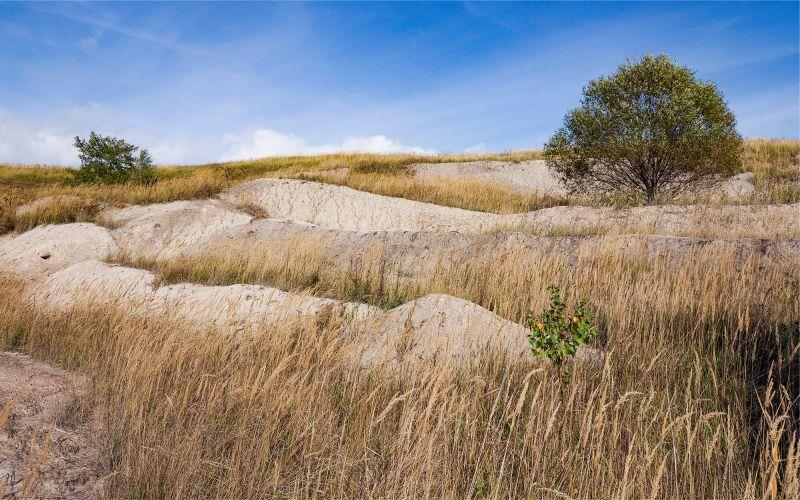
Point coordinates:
pixel 266 142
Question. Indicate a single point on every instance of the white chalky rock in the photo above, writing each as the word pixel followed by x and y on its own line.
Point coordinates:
pixel 337 207
pixel 170 229
pixel 46 249
pixel 243 306
pixel 96 283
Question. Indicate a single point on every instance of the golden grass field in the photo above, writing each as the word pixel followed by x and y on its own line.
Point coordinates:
pixel 694 400
pixel 697 396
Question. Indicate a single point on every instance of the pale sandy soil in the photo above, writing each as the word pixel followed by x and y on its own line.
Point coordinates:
pixel 522 177
pixel 171 228
pixel 46 249
pixel 339 207
pixel 440 328
pixel 45 450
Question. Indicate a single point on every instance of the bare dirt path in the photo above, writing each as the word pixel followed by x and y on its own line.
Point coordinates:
pixel 46 448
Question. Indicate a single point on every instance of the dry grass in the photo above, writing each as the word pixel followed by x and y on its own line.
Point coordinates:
pixel 496 278
pixel 684 407
pixel 776 165
pixel 58 210
pixel 697 398
pixel 779 227
pixel 770 154
pixel 201 184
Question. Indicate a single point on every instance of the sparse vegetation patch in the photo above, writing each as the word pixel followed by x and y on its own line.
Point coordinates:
pixel 557 335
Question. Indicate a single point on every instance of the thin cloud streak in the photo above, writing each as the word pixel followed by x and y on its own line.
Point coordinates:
pixel 138 35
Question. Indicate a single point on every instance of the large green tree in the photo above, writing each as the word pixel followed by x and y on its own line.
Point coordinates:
pixel 112 160
pixel 651 129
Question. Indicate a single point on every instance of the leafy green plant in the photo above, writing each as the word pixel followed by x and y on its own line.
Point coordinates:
pixel 556 334
pixel 110 160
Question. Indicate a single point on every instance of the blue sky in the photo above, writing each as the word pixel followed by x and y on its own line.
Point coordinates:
pixel 198 82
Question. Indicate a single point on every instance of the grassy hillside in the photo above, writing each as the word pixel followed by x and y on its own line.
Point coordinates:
pixel 22 184
pixel 773 162
pixel 696 396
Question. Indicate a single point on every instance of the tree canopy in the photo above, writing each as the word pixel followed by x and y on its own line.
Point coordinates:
pixel 650 129
pixel 112 160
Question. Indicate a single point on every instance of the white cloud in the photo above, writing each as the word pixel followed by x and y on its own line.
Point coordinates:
pixel 263 142
pixel 266 142
pixel 51 142
pixel 175 152
pixel 24 142
pixel 378 144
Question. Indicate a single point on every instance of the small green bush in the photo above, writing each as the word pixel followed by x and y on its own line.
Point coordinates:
pixel 555 334
pixel 110 160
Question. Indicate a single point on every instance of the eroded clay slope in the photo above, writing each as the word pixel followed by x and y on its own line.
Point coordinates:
pixel 167 229
pixel 338 207
pixel 351 227
pixel 522 177
pixel 94 283
pixel 343 208
pixel 442 327
pixel 164 232
pixel 414 253
pixel 46 249
pixel 431 329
